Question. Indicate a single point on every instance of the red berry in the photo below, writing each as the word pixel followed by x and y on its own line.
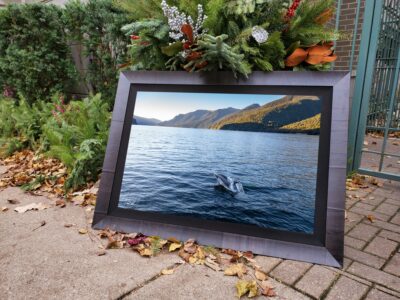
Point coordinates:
pixel 135 37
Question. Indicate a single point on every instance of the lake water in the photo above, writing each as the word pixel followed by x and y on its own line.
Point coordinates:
pixel 171 170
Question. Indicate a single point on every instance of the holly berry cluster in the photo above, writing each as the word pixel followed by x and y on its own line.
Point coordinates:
pixel 292 9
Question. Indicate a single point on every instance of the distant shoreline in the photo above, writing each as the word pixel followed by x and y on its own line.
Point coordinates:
pixel 285 131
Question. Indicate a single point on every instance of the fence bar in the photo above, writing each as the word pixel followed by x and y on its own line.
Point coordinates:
pixel 390 109
pixel 353 44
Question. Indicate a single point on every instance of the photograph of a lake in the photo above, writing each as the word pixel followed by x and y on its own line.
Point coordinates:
pixel 224 167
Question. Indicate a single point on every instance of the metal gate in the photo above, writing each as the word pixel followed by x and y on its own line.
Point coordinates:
pixel 376 101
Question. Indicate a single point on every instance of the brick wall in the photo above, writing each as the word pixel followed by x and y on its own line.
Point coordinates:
pixel 346 27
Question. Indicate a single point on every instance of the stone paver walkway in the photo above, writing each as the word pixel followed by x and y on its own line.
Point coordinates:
pixel 55 262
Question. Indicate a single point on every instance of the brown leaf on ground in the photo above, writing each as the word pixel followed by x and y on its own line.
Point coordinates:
pixel 371 218
pixel 267 289
pixel 144 251
pixel 101 253
pixel 184 255
pixel 260 275
pixel 212 264
pixel 236 270
pixel 83 231
pixel 167 271
pixel 4 208
pixel 174 246
pixel 190 246
pixel 173 240
pixel 68 225
pixel 115 245
pixel 13 201
pixel 60 203
pixel 32 206
pixel 248 254
pixel 198 258
pixel 244 286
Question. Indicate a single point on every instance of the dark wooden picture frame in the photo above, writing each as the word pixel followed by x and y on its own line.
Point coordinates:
pixel 324 246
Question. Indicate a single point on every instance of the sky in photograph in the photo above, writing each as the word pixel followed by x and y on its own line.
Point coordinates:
pixel 165 106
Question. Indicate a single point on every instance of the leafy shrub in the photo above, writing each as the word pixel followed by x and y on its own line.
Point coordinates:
pixel 77 136
pixel 21 125
pixel 75 133
pixel 34 55
pixel 96 24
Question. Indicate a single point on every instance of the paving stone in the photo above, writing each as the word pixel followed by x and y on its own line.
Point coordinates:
pixel 363 257
pixel 355 243
pixel 188 282
pixel 375 294
pixel 284 292
pixel 316 281
pixel 393 201
pixel 394 265
pixel 365 213
pixel 364 206
pixel 346 263
pixel 387 226
pixel 363 232
pixel 267 263
pixel 396 219
pixel 387 209
pixel 374 200
pixel 381 247
pixel 374 275
pixel 390 235
pixel 347 289
pixel 289 271
pixel 382 192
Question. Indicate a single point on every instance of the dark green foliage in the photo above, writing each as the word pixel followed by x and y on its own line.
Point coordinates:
pixel 34 55
pixel 76 133
pixel 219 56
pixel 303 27
pixel 78 138
pixel 146 52
pixel 97 25
pixel 21 124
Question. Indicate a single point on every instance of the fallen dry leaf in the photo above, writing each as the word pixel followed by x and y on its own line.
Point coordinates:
pixel 4 208
pixel 237 269
pixel 174 246
pixel 13 201
pixel 371 218
pixel 115 245
pixel 260 275
pixel 190 246
pixel 60 203
pixel 267 289
pixel 101 253
pixel 243 287
pixel 83 231
pixel 167 271
pixel 69 225
pixel 144 251
pixel 212 264
pixel 32 206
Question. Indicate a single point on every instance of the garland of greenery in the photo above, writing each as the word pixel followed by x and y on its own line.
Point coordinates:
pixel 241 36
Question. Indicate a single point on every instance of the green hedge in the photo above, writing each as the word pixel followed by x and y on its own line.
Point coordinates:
pixel 97 24
pixel 35 59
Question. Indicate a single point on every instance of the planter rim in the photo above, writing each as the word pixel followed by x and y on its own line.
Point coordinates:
pixel 275 78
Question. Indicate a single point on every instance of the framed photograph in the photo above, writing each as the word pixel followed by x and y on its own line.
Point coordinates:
pixel 256 164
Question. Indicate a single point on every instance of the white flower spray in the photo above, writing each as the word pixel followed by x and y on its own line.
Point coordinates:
pixel 177 19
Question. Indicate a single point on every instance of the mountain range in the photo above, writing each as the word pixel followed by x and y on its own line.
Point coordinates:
pixel 288 114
